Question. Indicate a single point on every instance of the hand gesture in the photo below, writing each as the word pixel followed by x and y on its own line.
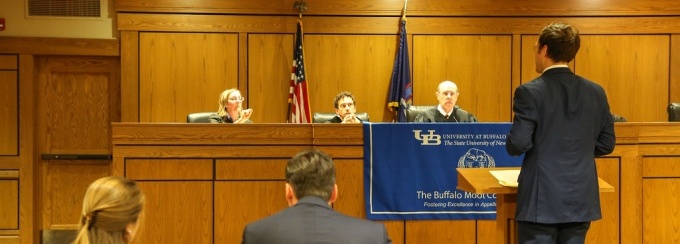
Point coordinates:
pixel 245 115
pixel 350 118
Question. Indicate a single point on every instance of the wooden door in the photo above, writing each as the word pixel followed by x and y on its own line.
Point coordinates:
pixel 77 99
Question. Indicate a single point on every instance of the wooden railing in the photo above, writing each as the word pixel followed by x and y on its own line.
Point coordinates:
pixel 205 182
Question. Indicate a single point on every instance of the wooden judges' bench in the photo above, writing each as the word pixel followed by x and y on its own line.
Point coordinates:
pixel 204 182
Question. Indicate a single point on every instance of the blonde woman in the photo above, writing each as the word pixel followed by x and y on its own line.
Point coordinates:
pixel 231 109
pixel 111 212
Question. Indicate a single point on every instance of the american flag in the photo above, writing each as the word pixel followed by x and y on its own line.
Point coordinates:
pixel 298 99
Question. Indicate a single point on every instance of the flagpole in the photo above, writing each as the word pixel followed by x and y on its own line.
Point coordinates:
pixel 401 93
pixel 301 6
pixel 403 19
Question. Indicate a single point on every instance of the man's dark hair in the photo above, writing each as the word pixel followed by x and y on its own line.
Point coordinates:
pixel 342 95
pixel 562 40
pixel 311 173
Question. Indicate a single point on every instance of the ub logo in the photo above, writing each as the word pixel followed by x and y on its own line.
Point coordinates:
pixel 431 139
pixel 476 158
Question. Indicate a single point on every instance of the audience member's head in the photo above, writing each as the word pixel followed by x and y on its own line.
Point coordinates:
pixel 111 211
pixel 447 94
pixel 560 42
pixel 310 173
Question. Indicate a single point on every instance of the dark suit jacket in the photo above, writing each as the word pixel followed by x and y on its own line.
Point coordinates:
pixel 311 220
pixel 562 122
pixel 433 115
pixel 337 119
pixel 214 118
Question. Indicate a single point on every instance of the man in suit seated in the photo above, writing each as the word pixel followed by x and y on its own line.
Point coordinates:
pixel 310 189
pixel 345 109
pixel 446 111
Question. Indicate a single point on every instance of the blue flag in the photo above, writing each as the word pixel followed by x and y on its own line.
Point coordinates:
pixel 401 88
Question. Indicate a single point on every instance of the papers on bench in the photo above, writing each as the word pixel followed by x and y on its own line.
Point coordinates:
pixel 506 177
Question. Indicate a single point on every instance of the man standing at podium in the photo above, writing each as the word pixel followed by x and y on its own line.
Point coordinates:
pixel 562 122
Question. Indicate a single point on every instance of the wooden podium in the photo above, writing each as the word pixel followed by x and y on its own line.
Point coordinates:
pixel 479 180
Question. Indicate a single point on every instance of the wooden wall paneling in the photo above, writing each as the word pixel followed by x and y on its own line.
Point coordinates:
pixel 622 211
pixel 198 23
pixel 674 87
pixel 251 169
pixel 338 151
pixel 65 183
pixel 182 73
pixel 9 114
pixel 390 25
pixel 631 193
pixel 666 166
pixel 342 144
pixel 484 83
pixel 351 196
pixel 9 62
pixel 188 205
pixel 533 25
pixel 10 239
pixel 234 206
pixel 606 230
pixel 270 59
pixel 243 67
pixel 354 25
pixel 169 169
pixel 114 93
pixel 211 134
pixel 129 73
pixel 9 104
pixel 207 151
pixel 660 218
pixel 9 200
pixel 528 64
pixel 633 70
pixel 415 7
pixel 396 230
pixel 517 69
pixel 350 180
pixel 486 231
pixel 441 231
pixel 360 64
pixel 28 192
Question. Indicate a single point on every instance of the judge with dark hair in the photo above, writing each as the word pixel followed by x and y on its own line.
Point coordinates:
pixel 345 109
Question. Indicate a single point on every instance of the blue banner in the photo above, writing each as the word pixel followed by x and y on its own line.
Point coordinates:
pixel 410 169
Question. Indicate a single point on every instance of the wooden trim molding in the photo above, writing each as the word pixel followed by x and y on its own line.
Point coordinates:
pixel 59 46
pixel 414 8
pixel 390 25
pixel 9 174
